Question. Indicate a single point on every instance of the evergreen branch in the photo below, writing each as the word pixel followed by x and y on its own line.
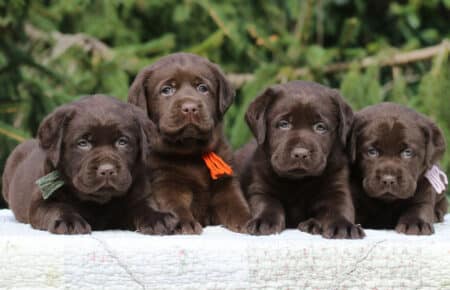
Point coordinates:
pixel 11 135
pixel 393 60
pixel 217 20
pixel 20 57
pixel 238 80
pixel 409 79
pixel 397 59
pixel 86 42
pixel 65 41
pixel 11 132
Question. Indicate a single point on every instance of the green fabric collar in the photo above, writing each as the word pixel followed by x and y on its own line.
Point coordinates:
pixel 49 183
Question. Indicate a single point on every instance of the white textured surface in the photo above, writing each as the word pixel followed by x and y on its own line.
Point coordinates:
pixel 220 259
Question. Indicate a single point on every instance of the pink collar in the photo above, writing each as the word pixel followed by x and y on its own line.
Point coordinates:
pixel 437 178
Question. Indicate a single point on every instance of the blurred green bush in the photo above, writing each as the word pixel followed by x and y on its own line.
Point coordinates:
pixel 54 51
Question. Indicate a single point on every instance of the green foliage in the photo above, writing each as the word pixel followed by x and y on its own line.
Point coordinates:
pixel 362 88
pixel 54 51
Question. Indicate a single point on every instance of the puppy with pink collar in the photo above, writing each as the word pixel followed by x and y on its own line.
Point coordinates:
pixel 396 180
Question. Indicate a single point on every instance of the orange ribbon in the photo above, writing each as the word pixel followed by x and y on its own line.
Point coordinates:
pixel 217 167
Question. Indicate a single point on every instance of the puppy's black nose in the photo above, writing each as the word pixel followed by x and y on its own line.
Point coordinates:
pixel 106 170
pixel 301 153
pixel 388 180
pixel 189 108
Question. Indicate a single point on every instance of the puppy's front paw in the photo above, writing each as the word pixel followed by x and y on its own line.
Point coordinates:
pixel 439 216
pixel 311 226
pixel 266 225
pixel 69 224
pixel 157 223
pixel 343 229
pixel 238 223
pixel 414 226
pixel 188 227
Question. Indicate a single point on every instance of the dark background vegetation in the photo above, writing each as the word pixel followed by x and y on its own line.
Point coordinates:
pixel 52 52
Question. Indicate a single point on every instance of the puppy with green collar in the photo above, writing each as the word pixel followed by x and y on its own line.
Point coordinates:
pixel 85 171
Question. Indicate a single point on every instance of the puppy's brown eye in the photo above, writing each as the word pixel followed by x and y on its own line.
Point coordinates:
pixel 320 128
pixel 372 152
pixel 284 125
pixel 84 144
pixel 167 90
pixel 407 153
pixel 202 88
pixel 122 142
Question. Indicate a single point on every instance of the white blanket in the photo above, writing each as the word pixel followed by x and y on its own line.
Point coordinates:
pixel 220 259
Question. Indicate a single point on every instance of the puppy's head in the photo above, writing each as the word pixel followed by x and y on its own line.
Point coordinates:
pixel 186 96
pixel 96 143
pixel 392 147
pixel 299 124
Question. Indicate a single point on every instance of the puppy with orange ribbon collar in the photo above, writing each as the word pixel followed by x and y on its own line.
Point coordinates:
pixel 186 96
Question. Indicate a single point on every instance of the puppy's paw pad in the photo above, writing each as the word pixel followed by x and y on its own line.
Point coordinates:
pixel 159 223
pixel 70 224
pixel 265 226
pixel 188 227
pixel 311 226
pixel 343 230
pixel 415 226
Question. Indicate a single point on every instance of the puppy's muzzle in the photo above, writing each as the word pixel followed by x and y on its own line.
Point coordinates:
pixel 388 181
pixel 187 118
pixel 301 154
pixel 106 171
pixel 190 108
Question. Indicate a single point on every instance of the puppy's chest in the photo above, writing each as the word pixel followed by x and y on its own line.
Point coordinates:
pixel 191 173
pixel 297 200
pixel 297 192
pixel 377 214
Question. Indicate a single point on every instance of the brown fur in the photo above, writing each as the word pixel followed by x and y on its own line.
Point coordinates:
pixel 296 174
pixel 100 146
pixel 389 188
pixel 186 96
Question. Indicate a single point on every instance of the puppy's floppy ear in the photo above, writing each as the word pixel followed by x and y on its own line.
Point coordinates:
pixel 256 113
pixel 137 94
pixel 435 143
pixel 51 132
pixel 345 117
pixel 225 91
pixel 352 140
pixel 147 130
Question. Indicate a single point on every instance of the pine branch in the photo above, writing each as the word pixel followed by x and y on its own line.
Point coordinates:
pixel 91 44
pixel 12 133
pixel 397 59
pixel 393 60
pixel 65 41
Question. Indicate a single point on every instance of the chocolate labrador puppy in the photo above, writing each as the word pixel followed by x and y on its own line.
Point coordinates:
pixel 86 171
pixel 296 172
pixel 186 96
pixel 393 150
